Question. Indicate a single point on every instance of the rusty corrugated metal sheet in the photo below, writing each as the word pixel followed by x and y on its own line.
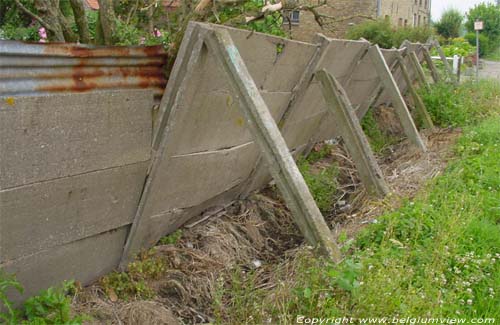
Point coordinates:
pixel 34 68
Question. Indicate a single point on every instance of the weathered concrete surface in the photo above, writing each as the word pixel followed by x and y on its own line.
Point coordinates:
pixel 205 148
pixel 43 215
pixel 84 260
pixel 350 129
pixel 273 147
pixel 49 137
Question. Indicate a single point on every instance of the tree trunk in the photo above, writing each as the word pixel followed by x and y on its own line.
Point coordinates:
pixel 108 20
pixel 68 33
pixel 81 20
pixel 49 12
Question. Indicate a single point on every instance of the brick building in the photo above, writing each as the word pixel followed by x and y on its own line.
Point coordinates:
pixel 303 26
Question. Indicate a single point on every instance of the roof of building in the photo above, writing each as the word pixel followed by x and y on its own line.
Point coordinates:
pixel 92 4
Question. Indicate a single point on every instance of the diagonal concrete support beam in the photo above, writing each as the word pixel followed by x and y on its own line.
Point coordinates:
pixel 392 89
pixel 190 54
pixel 418 70
pixel 274 149
pixel 431 65
pixel 447 66
pixel 419 104
pixel 356 143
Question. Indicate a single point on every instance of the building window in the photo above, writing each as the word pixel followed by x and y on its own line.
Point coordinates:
pixel 419 19
pixel 400 22
pixel 292 17
pixel 414 20
pixel 406 22
pixel 420 3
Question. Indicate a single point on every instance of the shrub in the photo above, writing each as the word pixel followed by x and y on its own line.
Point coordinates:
pixel 450 24
pixel 378 32
pixel 381 32
pixel 490 15
pixel 458 46
pixel 484 43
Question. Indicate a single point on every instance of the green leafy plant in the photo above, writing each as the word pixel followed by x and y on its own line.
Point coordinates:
pixel 11 316
pixel 52 306
pixel 171 239
pixel 134 282
pixel 322 183
pixel 378 138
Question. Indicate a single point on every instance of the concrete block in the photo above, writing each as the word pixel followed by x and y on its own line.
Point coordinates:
pixel 49 137
pixel 43 215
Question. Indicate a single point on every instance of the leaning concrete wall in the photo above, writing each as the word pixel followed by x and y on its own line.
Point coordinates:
pixel 81 163
pixel 75 139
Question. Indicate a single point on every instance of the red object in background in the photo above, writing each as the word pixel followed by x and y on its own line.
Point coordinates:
pixel 92 4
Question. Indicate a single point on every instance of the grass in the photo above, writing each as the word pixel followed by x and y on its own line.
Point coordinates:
pixel 321 180
pixel 435 256
pixel 378 138
pixel 462 105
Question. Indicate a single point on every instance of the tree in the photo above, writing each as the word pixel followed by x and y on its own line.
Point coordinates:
pixel 50 15
pixel 490 15
pixel 450 24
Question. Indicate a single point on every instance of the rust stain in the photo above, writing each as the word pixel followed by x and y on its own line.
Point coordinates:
pixel 85 76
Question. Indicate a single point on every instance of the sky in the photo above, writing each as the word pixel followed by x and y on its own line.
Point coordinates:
pixel 438 6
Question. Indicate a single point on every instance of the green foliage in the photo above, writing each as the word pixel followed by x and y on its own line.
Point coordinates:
pixel 132 35
pixel 12 32
pixel 485 44
pixel 381 32
pixel 320 153
pixel 322 183
pixel 378 138
pixel 457 46
pixel 439 253
pixel 450 24
pixel 134 283
pixel 378 32
pixel 494 55
pixel 461 105
pixel 171 239
pixel 8 282
pixel 233 16
pixel 52 306
pixel 490 15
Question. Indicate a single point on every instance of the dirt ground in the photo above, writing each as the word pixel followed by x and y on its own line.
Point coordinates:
pixel 258 233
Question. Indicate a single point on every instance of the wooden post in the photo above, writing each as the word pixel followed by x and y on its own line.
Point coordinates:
pixel 274 149
pixel 356 143
pixel 419 71
pixel 431 65
pixel 419 104
pixel 392 89
pixel 447 66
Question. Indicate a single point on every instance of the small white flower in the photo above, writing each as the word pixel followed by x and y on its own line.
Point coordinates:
pixel 469 301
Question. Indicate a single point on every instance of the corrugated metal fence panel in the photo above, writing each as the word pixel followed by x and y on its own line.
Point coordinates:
pixel 38 69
